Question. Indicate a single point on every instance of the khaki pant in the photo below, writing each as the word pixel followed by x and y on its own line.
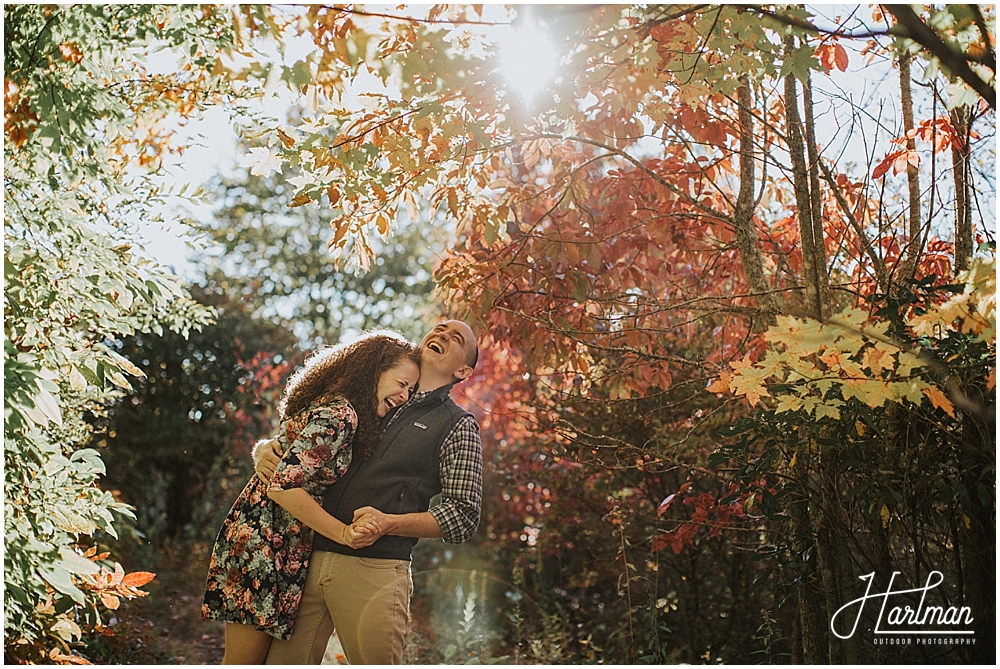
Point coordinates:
pixel 366 600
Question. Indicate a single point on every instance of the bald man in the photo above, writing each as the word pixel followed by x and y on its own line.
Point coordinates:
pixel 429 445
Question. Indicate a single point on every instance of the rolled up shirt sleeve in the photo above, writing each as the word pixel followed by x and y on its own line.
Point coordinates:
pixel 461 471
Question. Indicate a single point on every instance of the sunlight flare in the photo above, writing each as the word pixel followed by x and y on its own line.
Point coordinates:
pixel 528 60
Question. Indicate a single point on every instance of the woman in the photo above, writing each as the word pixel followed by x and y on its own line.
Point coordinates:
pixel 330 413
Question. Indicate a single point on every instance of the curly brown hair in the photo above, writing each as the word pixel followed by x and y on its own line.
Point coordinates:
pixel 350 371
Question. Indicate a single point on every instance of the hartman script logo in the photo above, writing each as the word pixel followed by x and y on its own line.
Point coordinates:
pixel 902 618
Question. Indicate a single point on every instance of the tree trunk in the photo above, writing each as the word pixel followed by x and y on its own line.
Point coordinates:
pixel 913 250
pixel 963 208
pixel 800 183
pixel 815 202
pixel 746 231
pixel 812 601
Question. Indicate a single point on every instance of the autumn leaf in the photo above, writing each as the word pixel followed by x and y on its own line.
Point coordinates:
pixel 285 139
pixel 721 384
pixel 138 579
pixel 665 504
pixel 70 53
pixel 883 167
pixel 939 400
pixel 110 601
pixel 832 56
pixel 300 199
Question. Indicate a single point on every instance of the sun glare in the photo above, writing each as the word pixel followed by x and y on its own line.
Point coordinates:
pixel 528 60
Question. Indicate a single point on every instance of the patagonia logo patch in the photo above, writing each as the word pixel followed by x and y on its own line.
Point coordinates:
pixel 420 425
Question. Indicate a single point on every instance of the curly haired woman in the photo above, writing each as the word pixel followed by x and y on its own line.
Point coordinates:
pixel 330 414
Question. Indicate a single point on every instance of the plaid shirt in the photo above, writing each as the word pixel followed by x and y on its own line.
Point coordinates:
pixel 460 468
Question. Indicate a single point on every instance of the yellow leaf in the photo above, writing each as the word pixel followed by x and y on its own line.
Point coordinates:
pixel 884 513
pixel 939 400
pixel 966 521
pixel 860 427
pixel 825 410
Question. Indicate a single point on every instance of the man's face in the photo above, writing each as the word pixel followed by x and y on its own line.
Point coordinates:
pixel 448 347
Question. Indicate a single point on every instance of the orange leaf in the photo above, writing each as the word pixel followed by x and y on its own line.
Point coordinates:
pixel 334 195
pixel 110 601
pixel 71 53
pixel 138 578
pixel 940 400
pixel 991 380
pixel 119 574
pixel 721 384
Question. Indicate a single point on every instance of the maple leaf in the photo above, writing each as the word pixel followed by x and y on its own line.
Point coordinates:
pixel 877 359
pixel 721 384
pixel 939 400
pixel 827 411
pixel 749 382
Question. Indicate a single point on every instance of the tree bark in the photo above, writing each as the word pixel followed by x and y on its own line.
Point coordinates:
pixel 913 250
pixel 815 202
pixel 800 183
pixel 812 599
pixel 746 232
pixel 960 170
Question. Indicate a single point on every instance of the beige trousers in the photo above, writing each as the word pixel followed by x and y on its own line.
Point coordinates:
pixel 365 600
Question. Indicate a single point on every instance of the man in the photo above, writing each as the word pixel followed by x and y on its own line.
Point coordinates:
pixel 429 445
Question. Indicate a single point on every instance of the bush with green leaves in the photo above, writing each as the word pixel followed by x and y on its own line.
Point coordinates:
pixel 83 136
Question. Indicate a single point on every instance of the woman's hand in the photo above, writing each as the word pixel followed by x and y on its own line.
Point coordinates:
pixel 361 533
pixel 266 456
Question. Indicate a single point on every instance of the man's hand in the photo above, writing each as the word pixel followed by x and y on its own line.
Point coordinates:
pixel 380 520
pixel 364 531
pixel 266 456
pixel 421 525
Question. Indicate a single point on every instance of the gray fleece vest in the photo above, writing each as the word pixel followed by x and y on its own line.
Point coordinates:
pixel 401 476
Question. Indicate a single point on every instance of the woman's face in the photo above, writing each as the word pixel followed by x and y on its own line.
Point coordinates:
pixel 395 384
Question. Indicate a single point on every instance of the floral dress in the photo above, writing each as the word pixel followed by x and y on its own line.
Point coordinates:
pixel 261 556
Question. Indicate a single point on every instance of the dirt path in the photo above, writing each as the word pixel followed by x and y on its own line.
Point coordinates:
pixel 168 622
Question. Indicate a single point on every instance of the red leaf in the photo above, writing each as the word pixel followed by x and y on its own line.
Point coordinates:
pixel 665 504
pixel 883 167
pixel 660 542
pixel 138 578
pixel 840 57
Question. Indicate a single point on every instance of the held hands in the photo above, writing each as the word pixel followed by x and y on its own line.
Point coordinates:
pixel 266 456
pixel 363 532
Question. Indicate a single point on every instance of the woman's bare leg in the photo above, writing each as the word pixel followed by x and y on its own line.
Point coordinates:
pixel 245 645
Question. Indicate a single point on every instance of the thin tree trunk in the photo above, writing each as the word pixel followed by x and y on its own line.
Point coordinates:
pixel 812 601
pixel 815 202
pixel 800 183
pixel 963 209
pixel 746 231
pixel 909 266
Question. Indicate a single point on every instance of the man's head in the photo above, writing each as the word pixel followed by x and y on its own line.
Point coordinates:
pixel 448 353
